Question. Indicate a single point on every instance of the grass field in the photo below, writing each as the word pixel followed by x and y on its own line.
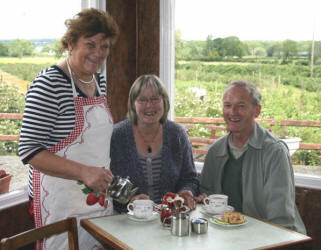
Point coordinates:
pixel 32 60
pixel 14 81
pixel 20 72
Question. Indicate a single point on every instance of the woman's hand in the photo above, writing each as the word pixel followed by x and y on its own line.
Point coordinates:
pixel 140 197
pixel 188 199
pixel 200 198
pixel 97 178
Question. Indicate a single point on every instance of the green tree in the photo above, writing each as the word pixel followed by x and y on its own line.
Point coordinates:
pixel 54 48
pixel 259 52
pixel 274 50
pixel 317 52
pixel 234 47
pixel 218 45
pixel 4 51
pixel 252 45
pixel 289 49
pixel 178 46
pixel 57 48
pixel 20 48
pixel 208 46
pixel 194 52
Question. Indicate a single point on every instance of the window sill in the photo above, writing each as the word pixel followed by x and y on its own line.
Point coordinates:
pixel 13 198
pixel 307 180
pixel 20 196
pixel 301 180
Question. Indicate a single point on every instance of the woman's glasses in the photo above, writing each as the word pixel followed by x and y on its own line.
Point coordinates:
pixel 153 101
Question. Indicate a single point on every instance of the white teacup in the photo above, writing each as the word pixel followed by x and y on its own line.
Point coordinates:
pixel 141 209
pixel 216 203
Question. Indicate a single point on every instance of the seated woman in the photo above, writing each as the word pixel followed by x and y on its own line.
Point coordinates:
pixel 153 151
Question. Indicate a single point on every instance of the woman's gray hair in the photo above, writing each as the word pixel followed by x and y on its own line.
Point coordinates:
pixel 138 86
pixel 254 92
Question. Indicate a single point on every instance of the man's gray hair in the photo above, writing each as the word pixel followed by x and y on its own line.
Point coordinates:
pixel 254 92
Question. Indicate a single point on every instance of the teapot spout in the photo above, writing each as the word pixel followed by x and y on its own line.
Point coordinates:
pixel 133 191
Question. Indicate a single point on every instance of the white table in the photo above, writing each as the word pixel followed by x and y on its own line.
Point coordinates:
pixel 120 232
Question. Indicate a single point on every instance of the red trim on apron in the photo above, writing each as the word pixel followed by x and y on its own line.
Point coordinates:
pixel 65 143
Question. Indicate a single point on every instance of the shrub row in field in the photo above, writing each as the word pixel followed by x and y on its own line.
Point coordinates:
pixel 294 75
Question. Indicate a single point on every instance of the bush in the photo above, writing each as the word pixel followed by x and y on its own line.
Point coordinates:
pixel 307 157
pixel 24 71
pixel 299 100
pixel 11 102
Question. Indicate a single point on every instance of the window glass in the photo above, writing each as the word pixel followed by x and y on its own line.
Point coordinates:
pixel 29 42
pixel 274 44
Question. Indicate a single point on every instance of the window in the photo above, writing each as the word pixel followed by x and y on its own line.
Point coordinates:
pixel 38 21
pixel 202 26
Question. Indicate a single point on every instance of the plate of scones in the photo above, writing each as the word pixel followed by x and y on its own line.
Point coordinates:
pixel 229 219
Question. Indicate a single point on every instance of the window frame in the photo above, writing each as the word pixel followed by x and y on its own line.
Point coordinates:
pixel 19 196
pixel 167 74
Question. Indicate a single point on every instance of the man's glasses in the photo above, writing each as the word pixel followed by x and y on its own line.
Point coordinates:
pixel 153 101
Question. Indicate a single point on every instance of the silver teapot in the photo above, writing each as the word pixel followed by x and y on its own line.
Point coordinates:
pixel 121 189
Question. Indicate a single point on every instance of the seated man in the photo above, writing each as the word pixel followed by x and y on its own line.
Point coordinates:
pixel 249 164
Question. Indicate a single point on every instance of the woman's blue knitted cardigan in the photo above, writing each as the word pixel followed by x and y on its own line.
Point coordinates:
pixel 178 170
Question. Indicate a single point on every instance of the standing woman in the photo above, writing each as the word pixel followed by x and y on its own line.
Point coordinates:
pixel 67 127
pixel 153 151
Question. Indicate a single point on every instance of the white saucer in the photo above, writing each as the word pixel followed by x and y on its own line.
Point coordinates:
pixel 205 211
pixel 131 216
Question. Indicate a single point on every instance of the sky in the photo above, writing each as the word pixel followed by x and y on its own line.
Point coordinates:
pixel 249 19
pixel 34 19
pixel 196 19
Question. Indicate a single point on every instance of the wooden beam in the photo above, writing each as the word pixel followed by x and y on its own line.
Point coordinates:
pixel 148 32
pixel 9 137
pixel 200 120
pixel 311 146
pixel 136 51
pixel 11 116
pixel 121 66
pixel 201 140
pixel 298 123
pixel 205 120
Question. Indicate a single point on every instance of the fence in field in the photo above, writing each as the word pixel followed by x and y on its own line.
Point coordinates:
pixel 201 144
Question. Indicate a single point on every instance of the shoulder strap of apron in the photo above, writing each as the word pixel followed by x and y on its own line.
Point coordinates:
pixel 74 92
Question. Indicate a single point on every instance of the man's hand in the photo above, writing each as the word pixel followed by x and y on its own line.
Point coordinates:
pixel 140 197
pixel 188 199
pixel 200 198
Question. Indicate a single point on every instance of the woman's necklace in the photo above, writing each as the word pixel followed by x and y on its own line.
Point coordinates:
pixel 79 79
pixel 148 143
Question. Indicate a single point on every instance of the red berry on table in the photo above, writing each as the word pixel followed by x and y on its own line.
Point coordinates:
pixel 183 209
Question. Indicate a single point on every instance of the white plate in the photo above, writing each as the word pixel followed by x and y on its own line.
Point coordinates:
pixel 205 211
pixel 131 216
pixel 228 225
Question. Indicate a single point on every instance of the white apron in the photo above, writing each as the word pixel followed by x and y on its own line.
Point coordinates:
pixel 57 198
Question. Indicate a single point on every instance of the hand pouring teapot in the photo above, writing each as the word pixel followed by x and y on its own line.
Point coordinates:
pixel 121 190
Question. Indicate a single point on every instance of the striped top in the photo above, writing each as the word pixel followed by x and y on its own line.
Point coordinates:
pixel 151 169
pixel 49 114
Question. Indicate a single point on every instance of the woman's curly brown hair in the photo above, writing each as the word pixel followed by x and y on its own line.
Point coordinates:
pixel 87 23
